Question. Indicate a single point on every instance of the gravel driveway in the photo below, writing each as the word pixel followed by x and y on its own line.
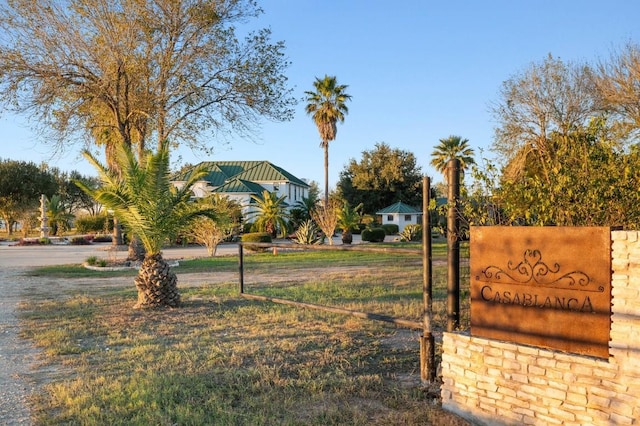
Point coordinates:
pixel 17 356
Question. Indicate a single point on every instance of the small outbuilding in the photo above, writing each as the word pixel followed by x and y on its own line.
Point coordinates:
pixel 400 214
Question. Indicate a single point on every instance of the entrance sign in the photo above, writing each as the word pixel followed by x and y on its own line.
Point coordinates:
pixel 542 286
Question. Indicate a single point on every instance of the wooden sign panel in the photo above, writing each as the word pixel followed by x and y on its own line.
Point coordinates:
pixel 542 286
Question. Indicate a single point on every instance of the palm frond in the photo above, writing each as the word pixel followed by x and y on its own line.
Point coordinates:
pixel 143 197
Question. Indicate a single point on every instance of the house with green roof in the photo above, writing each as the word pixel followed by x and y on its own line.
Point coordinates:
pixel 238 180
pixel 400 214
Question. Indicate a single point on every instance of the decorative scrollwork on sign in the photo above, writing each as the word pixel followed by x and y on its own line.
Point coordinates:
pixel 532 270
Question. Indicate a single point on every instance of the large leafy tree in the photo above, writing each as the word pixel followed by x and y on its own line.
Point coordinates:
pixel 21 185
pixel 327 105
pixel 383 176
pixel 146 202
pixel 450 148
pixel 551 97
pixel 617 83
pixel 132 72
pixel 72 197
pixel 591 182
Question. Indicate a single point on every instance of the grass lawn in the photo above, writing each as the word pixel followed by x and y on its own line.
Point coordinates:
pixel 221 359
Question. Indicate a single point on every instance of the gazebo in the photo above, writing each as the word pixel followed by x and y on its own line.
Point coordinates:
pixel 400 214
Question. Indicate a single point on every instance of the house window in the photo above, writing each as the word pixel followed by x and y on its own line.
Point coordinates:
pixel 407 218
pixel 389 218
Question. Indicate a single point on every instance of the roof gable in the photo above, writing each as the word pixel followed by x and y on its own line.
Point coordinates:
pixel 399 207
pixel 240 186
pixel 222 172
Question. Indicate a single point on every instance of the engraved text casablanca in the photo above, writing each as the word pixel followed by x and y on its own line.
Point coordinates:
pixel 577 304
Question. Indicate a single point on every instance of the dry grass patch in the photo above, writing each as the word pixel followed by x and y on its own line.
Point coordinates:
pixel 224 360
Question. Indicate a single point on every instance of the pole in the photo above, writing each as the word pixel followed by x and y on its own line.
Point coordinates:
pixel 240 269
pixel 427 345
pixel 453 246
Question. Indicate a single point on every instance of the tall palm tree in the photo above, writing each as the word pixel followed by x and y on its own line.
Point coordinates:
pixel 327 106
pixel 449 148
pixel 271 215
pixel 144 200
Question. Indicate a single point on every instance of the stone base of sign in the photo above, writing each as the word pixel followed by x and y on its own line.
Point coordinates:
pixel 491 382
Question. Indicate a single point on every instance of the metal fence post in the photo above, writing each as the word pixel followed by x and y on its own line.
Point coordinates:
pixel 427 345
pixel 453 246
pixel 240 269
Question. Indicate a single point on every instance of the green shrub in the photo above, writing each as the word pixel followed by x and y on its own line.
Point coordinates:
pixel 411 232
pixel 80 241
pixel 91 260
pixel 390 228
pixel 102 238
pixel 256 237
pixel 99 223
pixel 373 235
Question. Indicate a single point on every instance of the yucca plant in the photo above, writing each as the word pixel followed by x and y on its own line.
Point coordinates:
pixel 144 200
pixel 411 232
pixel 307 233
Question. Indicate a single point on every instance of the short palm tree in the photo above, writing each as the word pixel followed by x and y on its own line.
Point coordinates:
pixel 327 106
pixel 450 148
pixel 142 197
pixel 58 215
pixel 348 218
pixel 271 215
pixel 306 205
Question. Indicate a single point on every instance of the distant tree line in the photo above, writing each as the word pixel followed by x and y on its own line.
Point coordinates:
pixel 21 186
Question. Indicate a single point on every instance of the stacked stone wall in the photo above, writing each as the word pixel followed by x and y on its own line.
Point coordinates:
pixel 499 383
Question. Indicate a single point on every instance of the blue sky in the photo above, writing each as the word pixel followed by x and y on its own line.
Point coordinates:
pixel 418 71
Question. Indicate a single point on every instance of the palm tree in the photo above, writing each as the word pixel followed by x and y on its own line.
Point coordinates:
pixel 58 215
pixel 144 200
pixel 271 214
pixel 449 148
pixel 348 218
pixel 327 106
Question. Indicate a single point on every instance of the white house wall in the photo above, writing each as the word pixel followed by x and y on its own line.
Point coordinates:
pixel 398 219
pixel 292 193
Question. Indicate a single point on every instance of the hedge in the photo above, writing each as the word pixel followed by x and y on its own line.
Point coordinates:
pixel 390 228
pixel 373 235
pixel 255 237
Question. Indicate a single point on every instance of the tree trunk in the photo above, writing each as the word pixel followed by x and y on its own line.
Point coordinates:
pixel 326 174
pixel 117 232
pixel 136 251
pixel 157 284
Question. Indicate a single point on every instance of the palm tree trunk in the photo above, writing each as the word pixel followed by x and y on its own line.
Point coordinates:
pixel 326 173
pixel 136 251
pixel 157 284
pixel 117 232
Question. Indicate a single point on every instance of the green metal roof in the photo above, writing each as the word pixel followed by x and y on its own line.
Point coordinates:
pixel 240 186
pixel 222 172
pixel 399 207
